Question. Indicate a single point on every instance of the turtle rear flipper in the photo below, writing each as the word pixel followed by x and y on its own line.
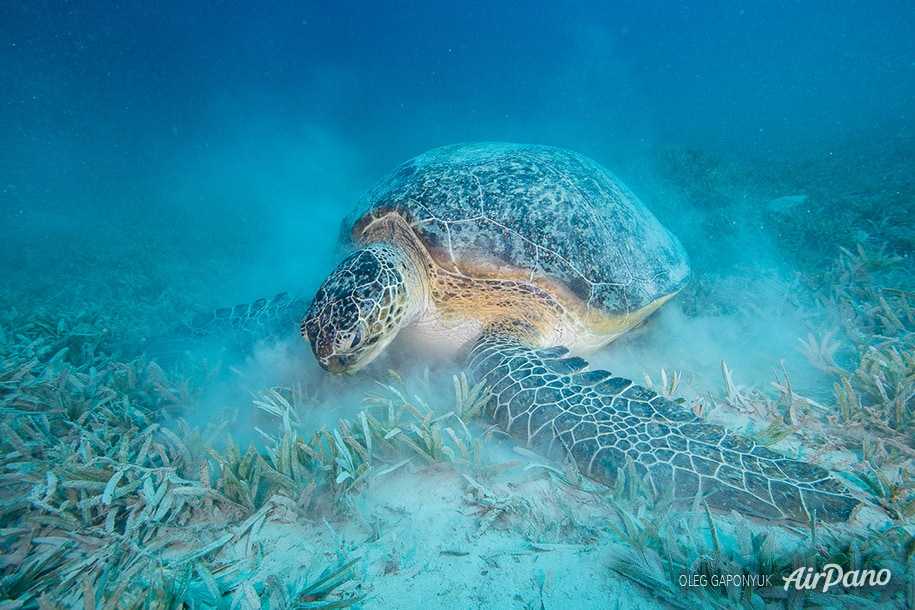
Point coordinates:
pixel 548 400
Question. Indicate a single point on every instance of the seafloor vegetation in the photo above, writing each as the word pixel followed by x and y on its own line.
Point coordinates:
pixel 112 499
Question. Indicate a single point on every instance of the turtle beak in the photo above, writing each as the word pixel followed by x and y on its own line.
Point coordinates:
pixel 337 364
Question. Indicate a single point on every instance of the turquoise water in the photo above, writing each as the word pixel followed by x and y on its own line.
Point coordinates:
pixel 160 162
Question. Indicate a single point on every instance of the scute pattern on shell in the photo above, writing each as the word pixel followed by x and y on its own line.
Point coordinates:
pixel 549 211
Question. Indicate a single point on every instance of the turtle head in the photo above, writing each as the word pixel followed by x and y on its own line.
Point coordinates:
pixel 359 308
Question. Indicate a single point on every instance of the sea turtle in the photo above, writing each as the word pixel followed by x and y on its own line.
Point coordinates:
pixel 524 258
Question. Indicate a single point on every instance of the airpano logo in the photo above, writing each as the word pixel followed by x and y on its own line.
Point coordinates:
pixel 833 574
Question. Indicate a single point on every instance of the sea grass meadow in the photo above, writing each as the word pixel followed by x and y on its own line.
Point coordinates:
pixel 161 160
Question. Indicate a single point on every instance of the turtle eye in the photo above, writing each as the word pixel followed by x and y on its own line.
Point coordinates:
pixel 357 336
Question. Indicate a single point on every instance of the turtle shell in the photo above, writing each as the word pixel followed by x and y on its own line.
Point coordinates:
pixel 488 208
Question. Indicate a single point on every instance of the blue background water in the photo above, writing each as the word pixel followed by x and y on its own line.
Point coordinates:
pixel 263 124
pixel 163 158
pixel 158 158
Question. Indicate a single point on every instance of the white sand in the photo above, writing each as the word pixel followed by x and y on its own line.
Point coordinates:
pixel 434 551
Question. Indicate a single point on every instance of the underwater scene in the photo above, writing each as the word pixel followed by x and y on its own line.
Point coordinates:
pixel 424 305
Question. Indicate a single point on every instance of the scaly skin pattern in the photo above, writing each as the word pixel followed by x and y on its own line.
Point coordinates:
pixel 238 327
pixel 549 401
pixel 358 307
pixel 512 251
pixel 260 318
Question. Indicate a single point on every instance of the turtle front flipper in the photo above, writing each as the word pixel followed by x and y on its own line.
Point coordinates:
pixel 548 401
pixel 261 318
pixel 234 328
